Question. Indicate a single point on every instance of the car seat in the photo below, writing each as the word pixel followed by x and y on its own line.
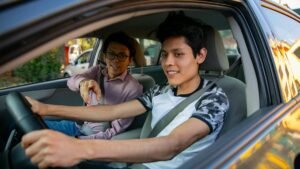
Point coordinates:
pixel 215 66
pixel 139 61
pixel 147 82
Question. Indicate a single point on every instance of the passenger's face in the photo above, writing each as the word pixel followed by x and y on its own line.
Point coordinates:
pixel 117 59
pixel 178 62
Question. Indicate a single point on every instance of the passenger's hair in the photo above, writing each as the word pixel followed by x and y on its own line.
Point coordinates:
pixel 121 38
pixel 178 24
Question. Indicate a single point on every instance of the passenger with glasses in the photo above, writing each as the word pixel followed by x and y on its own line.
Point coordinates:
pixel 111 85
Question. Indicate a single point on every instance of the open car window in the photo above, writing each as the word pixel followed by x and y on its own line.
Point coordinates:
pixel 51 65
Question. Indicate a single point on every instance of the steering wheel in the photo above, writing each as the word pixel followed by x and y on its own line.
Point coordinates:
pixel 26 121
pixel 20 110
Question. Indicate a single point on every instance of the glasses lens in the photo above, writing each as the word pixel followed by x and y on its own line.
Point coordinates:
pixel 111 55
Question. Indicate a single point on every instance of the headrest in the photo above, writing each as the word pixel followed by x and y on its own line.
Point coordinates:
pixel 146 80
pixel 139 59
pixel 216 59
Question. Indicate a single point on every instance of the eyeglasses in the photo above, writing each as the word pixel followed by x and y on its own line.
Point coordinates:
pixel 113 56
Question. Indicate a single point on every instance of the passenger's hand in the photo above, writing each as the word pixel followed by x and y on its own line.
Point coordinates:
pixel 86 86
pixel 37 107
pixel 48 148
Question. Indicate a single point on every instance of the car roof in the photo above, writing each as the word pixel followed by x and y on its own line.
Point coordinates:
pixel 21 13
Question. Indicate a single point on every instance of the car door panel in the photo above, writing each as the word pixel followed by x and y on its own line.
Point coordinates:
pixel 252 143
pixel 276 148
pixel 54 92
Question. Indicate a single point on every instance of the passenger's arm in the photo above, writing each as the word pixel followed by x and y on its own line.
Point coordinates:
pixel 90 113
pixel 74 81
pixel 60 148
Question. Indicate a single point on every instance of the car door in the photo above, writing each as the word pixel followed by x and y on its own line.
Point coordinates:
pixel 266 104
pixel 268 138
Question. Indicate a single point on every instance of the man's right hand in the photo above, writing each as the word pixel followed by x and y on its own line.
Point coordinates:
pixel 48 148
pixel 86 86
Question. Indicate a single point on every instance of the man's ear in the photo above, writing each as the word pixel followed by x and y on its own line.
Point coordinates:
pixel 201 55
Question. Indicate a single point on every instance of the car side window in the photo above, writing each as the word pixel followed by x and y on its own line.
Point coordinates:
pixel 230 45
pixel 287 44
pixel 49 65
pixel 233 54
pixel 151 50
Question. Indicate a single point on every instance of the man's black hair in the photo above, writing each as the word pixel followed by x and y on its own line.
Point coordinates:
pixel 121 38
pixel 178 24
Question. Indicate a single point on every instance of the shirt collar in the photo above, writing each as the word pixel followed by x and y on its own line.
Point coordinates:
pixel 174 89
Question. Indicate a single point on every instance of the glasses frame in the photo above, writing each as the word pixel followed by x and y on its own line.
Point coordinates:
pixel 116 56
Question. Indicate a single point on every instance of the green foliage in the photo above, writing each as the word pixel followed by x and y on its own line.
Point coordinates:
pixel 87 43
pixel 84 43
pixel 43 68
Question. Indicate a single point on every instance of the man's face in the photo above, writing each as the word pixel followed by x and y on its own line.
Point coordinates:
pixel 117 59
pixel 178 62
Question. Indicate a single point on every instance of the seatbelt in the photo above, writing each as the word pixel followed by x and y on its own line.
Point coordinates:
pixel 163 122
pixel 237 62
pixel 101 79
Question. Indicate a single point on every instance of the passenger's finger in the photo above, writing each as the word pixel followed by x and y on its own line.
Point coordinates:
pixel 84 91
pixel 98 92
pixel 94 86
pixel 85 95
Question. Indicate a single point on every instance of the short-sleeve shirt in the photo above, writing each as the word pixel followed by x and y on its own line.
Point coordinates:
pixel 209 108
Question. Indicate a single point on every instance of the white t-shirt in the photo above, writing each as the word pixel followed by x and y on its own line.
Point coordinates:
pixel 209 108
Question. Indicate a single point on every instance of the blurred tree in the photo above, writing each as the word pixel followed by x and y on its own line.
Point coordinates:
pixel 45 67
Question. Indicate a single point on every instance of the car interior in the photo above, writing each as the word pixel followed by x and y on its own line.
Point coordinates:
pixel 228 68
pixel 228 60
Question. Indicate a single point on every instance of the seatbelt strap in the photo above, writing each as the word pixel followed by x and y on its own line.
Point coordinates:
pixel 237 62
pixel 147 126
pixel 101 79
pixel 163 122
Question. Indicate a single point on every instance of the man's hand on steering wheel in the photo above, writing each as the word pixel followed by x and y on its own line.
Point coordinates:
pixel 37 107
pixel 44 147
